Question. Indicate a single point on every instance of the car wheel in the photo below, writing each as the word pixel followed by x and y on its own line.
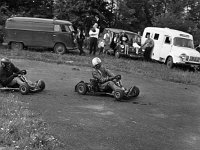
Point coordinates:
pixel 117 54
pixel 81 88
pixel 17 46
pixel 59 48
pixel 118 94
pixel 169 62
pixel 24 89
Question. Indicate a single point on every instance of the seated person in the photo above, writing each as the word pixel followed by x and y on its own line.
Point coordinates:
pixel 104 76
pixel 8 74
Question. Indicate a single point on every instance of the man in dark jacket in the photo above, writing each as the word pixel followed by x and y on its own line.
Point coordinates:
pixel 9 73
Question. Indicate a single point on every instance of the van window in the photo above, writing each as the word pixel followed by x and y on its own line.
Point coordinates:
pixel 167 40
pixel 156 36
pixel 183 42
pixel 57 28
pixel 147 34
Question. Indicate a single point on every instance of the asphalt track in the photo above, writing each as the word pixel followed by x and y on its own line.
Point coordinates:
pixel 165 116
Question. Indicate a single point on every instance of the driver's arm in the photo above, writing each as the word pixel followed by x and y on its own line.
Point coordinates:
pixel 15 69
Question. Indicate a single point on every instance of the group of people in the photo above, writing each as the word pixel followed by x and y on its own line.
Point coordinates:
pixel 88 37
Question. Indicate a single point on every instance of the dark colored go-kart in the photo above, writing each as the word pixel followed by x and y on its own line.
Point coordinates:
pixel 27 86
pixel 93 88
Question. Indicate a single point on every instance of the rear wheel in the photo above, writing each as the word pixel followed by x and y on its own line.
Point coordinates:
pixel 59 48
pixel 81 88
pixel 170 62
pixel 119 94
pixel 17 46
pixel 24 89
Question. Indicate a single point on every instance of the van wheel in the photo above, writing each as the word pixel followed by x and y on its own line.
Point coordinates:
pixel 17 46
pixel 170 62
pixel 59 48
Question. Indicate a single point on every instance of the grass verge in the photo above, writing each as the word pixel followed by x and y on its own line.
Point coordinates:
pixel 22 129
pixel 137 67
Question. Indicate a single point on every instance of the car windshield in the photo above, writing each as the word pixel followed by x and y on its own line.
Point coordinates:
pixel 183 42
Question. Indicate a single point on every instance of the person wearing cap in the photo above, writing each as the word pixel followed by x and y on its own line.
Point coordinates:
pixel 94 35
pixel 9 73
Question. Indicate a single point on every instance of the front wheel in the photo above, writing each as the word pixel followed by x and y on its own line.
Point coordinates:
pixel 81 88
pixel 24 89
pixel 136 91
pixel 170 62
pixel 41 85
pixel 59 48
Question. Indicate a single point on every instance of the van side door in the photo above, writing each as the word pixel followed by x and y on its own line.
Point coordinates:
pixel 63 34
pixel 166 48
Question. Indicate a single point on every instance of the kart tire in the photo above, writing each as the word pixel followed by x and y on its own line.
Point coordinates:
pixel 81 88
pixel 118 94
pixel 24 89
pixel 136 91
pixel 41 85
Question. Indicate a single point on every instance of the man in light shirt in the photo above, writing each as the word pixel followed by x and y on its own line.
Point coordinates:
pixel 94 35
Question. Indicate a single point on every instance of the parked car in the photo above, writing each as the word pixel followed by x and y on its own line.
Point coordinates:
pixel 23 32
pixel 120 49
pixel 172 47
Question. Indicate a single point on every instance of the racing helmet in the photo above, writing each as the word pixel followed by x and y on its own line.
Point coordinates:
pixel 5 61
pixel 96 61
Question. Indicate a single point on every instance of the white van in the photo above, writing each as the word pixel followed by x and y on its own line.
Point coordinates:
pixel 172 47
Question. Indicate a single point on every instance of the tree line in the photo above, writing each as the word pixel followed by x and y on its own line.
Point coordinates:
pixel 133 15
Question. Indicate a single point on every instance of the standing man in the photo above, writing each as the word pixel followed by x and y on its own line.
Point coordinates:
pixel 148 46
pixel 80 36
pixel 94 35
pixel 107 38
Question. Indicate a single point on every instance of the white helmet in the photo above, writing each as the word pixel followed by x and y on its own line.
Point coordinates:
pixel 96 61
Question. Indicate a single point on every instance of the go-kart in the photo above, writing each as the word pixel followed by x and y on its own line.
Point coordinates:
pixel 93 88
pixel 27 86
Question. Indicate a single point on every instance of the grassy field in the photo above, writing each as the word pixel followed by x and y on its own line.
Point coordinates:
pixel 22 129
pixel 137 67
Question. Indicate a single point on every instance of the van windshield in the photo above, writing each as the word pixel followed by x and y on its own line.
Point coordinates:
pixel 183 42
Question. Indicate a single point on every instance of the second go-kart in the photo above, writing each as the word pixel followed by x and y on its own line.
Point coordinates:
pixel 92 87
pixel 27 86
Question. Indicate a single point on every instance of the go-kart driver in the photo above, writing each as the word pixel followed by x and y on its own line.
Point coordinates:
pixel 9 73
pixel 105 77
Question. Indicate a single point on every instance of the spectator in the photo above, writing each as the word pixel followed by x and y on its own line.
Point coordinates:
pixel 94 34
pixel 80 36
pixel 148 46
pixel 107 39
pixel 123 38
pixel 101 46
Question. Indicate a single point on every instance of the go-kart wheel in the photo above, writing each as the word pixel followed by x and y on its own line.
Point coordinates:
pixel 24 89
pixel 136 91
pixel 41 85
pixel 118 94
pixel 81 88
